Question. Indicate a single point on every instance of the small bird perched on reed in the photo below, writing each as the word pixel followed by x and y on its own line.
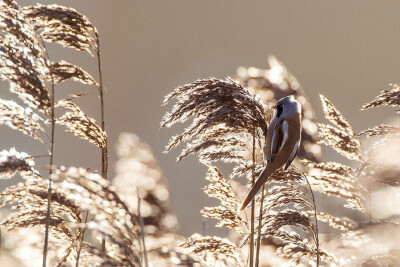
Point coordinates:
pixel 282 142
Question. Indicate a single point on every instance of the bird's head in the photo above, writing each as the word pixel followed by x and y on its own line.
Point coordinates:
pixel 287 105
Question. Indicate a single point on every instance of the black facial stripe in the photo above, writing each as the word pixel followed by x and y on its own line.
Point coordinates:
pixel 279 110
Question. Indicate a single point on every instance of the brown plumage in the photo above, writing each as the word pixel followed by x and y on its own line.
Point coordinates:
pixel 282 142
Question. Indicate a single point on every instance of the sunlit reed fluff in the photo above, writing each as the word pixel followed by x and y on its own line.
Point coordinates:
pixel 333 178
pixel 341 136
pixel 21 119
pixel 276 82
pixel 81 125
pixel 224 117
pixel 63 25
pixel 338 180
pixel 113 218
pixel 386 98
pixel 23 60
pixel 226 212
pixel 214 251
pixel 12 162
pixel 33 194
pixel 63 71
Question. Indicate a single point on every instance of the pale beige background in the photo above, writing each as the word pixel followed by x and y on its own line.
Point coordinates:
pixel 347 50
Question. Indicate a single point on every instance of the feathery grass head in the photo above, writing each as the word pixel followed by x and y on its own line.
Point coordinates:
pixel 341 136
pixel 81 125
pixel 12 162
pixel 214 251
pixel 386 98
pixel 63 71
pixel 223 112
pixel 63 25
pixel 21 119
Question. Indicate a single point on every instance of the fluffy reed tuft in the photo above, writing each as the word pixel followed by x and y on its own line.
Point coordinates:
pixel 214 251
pixel 385 98
pixel 341 136
pixel 12 162
pixel 63 25
pixel 226 212
pixel 223 113
pixel 81 125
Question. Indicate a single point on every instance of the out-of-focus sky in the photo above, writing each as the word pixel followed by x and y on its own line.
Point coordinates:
pixel 347 50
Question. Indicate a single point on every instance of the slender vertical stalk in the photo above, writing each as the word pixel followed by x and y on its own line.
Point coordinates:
pixel 369 202
pixel 260 218
pixel 46 236
pixel 316 220
pixel 104 150
pixel 252 202
pixel 81 241
pixel 141 222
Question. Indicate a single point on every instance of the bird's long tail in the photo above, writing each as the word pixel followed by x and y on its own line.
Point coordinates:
pixel 253 192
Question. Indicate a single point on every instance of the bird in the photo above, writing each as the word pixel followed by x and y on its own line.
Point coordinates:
pixel 282 142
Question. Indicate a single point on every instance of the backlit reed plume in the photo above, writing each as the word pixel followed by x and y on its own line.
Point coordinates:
pixel 340 136
pixel 63 25
pixel 223 113
pixel 214 251
pixel 336 179
pixel 28 201
pixel 13 162
pixel 23 61
pixel 21 119
pixel 81 125
pixel 112 216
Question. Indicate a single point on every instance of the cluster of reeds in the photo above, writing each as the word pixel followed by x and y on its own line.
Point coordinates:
pixel 229 119
pixel 76 216
pixel 72 216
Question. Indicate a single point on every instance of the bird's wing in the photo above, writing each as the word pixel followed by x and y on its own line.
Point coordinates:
pixel 292 155
pixel 279 138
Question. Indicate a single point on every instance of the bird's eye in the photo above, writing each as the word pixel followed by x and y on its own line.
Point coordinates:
pixel 279 109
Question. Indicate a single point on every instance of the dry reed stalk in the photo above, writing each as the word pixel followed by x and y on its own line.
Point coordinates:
pixel 259 227
pixel 253 203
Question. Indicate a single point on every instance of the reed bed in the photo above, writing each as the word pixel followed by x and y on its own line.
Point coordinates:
pixel 78 216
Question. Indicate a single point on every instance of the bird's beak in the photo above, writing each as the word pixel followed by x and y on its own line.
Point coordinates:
pixel 273 107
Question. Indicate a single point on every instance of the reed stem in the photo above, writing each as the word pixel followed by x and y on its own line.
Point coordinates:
pixel 49 192
pixel 252 202
pixel 260 218
pixel 316 220
pixel 104 150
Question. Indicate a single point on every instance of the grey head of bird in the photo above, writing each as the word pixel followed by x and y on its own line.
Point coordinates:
pixel 287 106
